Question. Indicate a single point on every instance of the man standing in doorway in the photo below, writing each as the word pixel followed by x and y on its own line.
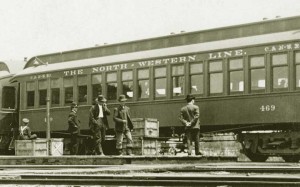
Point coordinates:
pixel 123 126
pixel 98 123
pixel 189 117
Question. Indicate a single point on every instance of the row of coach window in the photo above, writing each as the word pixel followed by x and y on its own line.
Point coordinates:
pixel 170 81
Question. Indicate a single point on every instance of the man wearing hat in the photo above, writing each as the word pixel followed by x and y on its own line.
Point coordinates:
pixel 98 123
pixel 74 129
pixel 25 132
pixel 123 126
pixel 189 117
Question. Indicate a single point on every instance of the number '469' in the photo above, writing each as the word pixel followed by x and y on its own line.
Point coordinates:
pixel 267 108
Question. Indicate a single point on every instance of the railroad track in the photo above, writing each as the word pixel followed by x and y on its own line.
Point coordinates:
pixel 174 175
pixel 168 168
pixel 153 180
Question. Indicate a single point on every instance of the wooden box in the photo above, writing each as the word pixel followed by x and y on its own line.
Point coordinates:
pixel 145 127
pixel 144 146
pixel 38 147
pixel 56 146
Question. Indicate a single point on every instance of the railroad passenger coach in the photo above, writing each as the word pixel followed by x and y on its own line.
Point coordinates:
pixel 8 104
pixel 246 79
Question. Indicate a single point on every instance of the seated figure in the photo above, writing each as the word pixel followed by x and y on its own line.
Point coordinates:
pixel 25 132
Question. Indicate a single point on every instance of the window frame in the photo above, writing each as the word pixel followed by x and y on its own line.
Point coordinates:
pixel 64 90
pixel 160 77
pixel 34 94
pixel 263 67
pixel 194 74
pixel 93 97
pixel 108 82
pixel 240 69
pixel 296 64
pixel 82 85
pixel 209 72
pixel 143 79
pixel 127 80
pixel 278 66
pixel 184 81
pixel 59 87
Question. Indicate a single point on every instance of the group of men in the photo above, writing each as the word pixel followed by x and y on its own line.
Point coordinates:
pixel 189 117
pixel 98 124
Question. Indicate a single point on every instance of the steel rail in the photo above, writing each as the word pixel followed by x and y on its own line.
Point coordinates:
pixel 177 169
pixel 240 169
pixel 152 180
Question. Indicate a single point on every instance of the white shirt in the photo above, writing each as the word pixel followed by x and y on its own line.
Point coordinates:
pixel 100 112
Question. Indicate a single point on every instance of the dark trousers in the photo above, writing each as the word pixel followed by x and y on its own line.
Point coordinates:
pixel 74 144
pixel 119 138
pixel 99 133
pixel 190 135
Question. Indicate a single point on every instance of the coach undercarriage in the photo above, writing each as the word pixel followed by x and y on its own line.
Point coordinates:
pixel 258 146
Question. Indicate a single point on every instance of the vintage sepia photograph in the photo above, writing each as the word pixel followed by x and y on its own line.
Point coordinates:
pixel 150 93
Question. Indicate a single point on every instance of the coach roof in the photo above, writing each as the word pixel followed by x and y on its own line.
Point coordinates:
pixel 164 52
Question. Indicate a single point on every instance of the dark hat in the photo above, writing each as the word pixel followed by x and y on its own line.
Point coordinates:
pixel 190 97
pixel 122 98
pixel 25 120
pixel 101 98
pixel 74 105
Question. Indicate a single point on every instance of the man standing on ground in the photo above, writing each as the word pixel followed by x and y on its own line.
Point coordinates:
pixel 74 129
pixel 99 123
pixel 189 117
pixel 123 126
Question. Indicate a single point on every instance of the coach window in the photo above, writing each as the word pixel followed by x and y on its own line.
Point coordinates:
pixel 215 77
pixel 82 89
pixel 178 80
pixel 111 79
pixel 280 72
pixel 236 74
pixel 30 93
pixel 55 91
pixel 68 88
pixel 297 62
pixel 258 74
pixel 196 78
pixel 96 85
pixel 8 97
pixel 42 92
pixel 143 82
pixel 127 84
pixel 160 82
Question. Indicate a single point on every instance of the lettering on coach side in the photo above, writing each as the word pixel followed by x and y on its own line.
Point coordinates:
pixel 73 72
pixel 109 68
pixel 41 76
pixel 283 47
pixel 225 54
pixel 172 60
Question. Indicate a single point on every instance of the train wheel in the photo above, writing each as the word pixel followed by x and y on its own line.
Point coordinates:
pixel 256 157
pixel 291 158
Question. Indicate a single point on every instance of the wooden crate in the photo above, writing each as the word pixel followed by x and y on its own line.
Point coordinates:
pixel 220 145
pixel 144 146
pixel 38 147
pixel 56 146
pixel 145 127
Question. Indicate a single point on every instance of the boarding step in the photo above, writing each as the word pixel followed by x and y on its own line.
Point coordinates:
pixel 276 143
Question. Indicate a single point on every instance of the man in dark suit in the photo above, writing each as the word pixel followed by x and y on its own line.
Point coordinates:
pixel 98 123
pixel 74 129
pixel 189 117
pixel 123 126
